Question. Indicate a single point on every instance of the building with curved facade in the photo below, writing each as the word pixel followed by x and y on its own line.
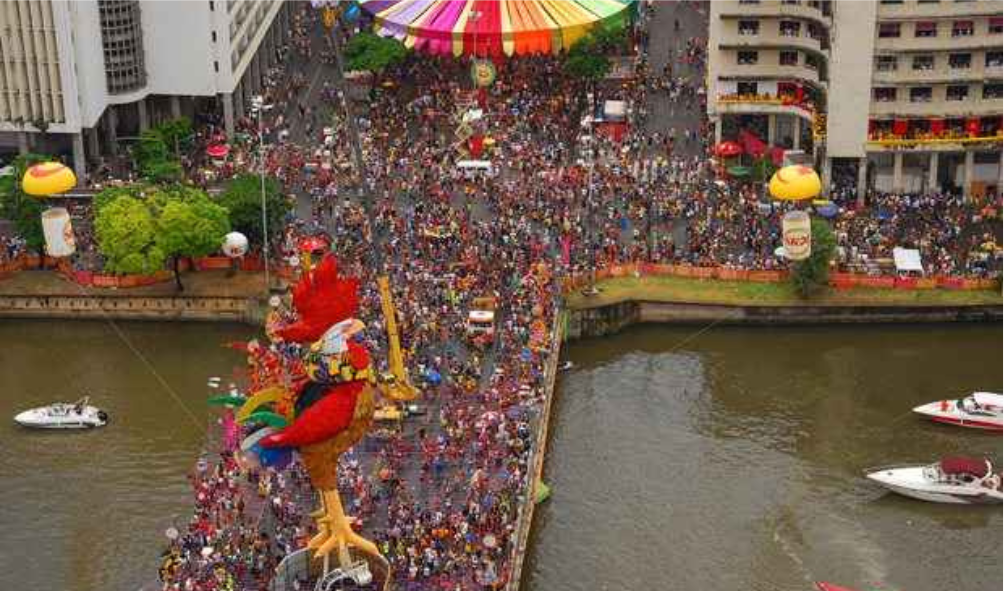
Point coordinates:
pixel 897 95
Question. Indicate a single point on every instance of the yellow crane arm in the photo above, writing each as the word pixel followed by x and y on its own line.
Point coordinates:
pixel 399 387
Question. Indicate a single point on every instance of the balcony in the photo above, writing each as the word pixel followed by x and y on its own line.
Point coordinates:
pixel 943 41
pixel 942 74
pixel 763 105
pixel 771 8
pixel 769 69
pixel 771 40
pixel 943 9
pixel 938 107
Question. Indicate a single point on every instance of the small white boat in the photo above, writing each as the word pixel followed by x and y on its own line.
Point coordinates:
pixel 958 480
pixel 61 415
pixel 979 410
pixel 566 366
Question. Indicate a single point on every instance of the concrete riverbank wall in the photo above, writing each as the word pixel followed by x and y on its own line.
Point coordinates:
pixel 536 463
pixel 612 318
pixel 126 307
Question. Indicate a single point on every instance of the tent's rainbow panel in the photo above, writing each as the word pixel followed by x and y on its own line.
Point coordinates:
pixel 493 27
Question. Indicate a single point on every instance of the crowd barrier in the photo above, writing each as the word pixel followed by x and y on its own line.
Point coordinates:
pixel 837 280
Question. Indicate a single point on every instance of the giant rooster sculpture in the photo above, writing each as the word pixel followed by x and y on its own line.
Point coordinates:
pixel 329 406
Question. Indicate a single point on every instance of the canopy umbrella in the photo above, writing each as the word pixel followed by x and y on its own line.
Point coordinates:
pixel 728 149
pixel 739 171
pixel 826 209
pixel 494 27
pixel 218 151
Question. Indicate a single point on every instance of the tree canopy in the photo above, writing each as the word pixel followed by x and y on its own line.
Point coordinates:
pixel 242 198
pixel 190 225
pixel 369 52
pixel 588 57
pixel 139 227
pixel 24 210
pixel 156 152
pixel 126 231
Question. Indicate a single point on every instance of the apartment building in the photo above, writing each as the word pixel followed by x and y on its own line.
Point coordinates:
pixel 78 77
pixel 889 95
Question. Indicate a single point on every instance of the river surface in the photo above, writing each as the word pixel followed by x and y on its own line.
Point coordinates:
pixel 86 511
pixel 732 460
pixel 728 461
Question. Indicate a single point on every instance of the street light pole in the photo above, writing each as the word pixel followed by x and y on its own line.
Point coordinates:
pixel 258 106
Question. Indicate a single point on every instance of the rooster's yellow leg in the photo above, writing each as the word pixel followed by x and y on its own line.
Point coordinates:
pixel 339 531
pixel 322 527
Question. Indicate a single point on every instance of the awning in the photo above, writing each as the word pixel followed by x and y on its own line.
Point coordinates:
pixel 907 259
pixel 964 465
pixel 493 27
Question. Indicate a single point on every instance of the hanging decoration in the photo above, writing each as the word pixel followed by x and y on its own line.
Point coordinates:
pixel 482 73
pixel 48 178
pixel 796 233
pixel 58 231
pixel 235 245
pixel 44 180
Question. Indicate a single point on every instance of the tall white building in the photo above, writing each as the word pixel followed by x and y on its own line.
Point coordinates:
pixel 78 75
pixel 893 95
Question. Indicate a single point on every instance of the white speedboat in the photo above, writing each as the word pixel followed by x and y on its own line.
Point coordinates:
pixel 61 415
pixel 979 410
pixel 958 480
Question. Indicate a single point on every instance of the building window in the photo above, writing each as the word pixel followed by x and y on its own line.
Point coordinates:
pixel 791 2
pixel 957 92
pixel 960 61
pixel 747 58
pixel 928 1
pixel 925 29
pixel 749 27
pixel 923 62
pixel 995 25
pixel 891 2
pixel 884 94
pixel 788 58
pixel 993 59
pixel 963 29
pixel 920 94
pixel 212 6
pixel 213 36
pixel 886 63
pixel 992 90
pixel 790 28
pixel 216 67
pixel 746 88
pixel 888 30
pixel 749 1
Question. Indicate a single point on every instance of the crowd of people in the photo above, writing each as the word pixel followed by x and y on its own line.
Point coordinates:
pixel 442 493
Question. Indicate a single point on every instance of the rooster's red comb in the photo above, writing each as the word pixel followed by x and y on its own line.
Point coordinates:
pixel 321 298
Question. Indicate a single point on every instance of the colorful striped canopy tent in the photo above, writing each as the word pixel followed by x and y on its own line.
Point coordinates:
pixel 494 27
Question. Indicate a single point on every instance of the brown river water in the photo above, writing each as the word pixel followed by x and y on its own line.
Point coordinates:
pixel 727 461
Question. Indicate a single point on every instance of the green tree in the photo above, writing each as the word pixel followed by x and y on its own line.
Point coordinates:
pixel 368 52
pixel 176 133
pixel 126 232
pixel 23 210
pixel 587 60
pixel 242 198
pixel 811 276
pixel 190 225
pixel 154 159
